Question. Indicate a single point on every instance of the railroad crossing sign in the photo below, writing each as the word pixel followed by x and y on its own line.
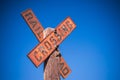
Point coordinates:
pixel 48 44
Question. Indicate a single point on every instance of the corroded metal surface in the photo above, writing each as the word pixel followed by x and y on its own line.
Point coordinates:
pixel 37 29
pixel 34 24
pixel 64 68
pixel 49 44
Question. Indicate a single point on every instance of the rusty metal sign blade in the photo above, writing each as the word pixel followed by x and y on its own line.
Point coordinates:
pixel 64 68
pixel 64 29
pixel 33 23
pixel 48 45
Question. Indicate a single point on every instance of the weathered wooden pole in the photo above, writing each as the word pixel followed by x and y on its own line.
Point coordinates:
pixel 52 64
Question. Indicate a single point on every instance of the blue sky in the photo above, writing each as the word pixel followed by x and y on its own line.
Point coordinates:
pixel 92 50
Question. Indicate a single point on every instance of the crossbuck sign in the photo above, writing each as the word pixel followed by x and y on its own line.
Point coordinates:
pixel 41 52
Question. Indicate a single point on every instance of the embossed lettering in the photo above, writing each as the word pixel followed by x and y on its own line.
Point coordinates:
pixel 37 57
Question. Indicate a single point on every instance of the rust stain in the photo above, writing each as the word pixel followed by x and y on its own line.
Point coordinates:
pixel 37 56
pixel 33 23
pixel 47 46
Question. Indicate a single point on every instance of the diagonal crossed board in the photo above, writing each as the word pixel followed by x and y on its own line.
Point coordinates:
pixel 40 53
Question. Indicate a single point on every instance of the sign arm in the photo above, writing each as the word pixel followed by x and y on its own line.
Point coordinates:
pixel 37 29
pixel 33 23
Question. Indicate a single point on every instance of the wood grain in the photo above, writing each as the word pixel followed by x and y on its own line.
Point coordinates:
pixel 51 65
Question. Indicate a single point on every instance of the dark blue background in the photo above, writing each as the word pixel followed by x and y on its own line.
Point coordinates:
pixel 92 50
